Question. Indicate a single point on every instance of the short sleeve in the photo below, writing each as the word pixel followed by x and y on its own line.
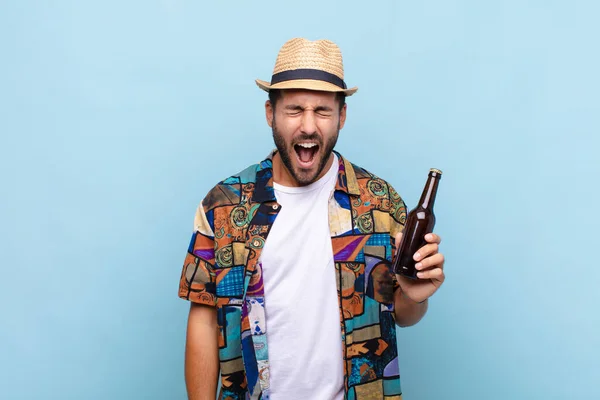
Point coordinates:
pixel 397 215
pixel 397 221
pixel 198 281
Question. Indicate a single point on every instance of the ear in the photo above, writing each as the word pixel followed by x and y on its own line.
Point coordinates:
pixel 269 112
pixel 343 116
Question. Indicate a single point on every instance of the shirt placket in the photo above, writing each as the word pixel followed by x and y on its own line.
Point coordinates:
pixel 254 328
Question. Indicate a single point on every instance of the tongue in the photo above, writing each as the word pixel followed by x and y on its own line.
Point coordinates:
pixel 305 154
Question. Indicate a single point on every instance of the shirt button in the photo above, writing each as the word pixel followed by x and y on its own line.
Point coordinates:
pixel 275 206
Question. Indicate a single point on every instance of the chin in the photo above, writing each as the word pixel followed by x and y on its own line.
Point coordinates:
pixel 306 176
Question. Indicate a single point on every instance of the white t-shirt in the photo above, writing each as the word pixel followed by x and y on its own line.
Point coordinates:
pixel 301 302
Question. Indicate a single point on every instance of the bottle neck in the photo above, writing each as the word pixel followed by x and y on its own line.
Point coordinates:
pixel 429 191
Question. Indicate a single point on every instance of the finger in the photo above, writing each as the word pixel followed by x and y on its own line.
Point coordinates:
pixel 436 274
pixel 425 251
pixel 433 238
pixel 436 260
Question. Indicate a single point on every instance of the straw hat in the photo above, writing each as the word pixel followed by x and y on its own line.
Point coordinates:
pixel 312 65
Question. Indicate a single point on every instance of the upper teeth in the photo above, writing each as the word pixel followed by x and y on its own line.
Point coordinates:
pixel 307 145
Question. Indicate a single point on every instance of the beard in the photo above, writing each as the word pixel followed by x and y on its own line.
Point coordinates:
pixel 301 175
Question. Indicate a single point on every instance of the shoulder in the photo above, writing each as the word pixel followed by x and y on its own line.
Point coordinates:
pixel 374 187
pixel 232 189
pixel 374 184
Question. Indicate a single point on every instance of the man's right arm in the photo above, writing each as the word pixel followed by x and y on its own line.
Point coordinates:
pixel 201 353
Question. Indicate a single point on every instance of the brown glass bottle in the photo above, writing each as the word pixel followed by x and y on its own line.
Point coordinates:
pixel 419 222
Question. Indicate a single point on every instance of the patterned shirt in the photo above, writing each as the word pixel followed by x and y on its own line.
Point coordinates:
pixel 221 270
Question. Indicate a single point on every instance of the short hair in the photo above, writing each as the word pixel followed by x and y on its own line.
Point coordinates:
pixel 275 95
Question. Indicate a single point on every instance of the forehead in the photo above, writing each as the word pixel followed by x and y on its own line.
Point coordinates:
pixel 307 97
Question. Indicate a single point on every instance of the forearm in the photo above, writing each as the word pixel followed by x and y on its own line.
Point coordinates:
pixel 201 355
pixel 406 311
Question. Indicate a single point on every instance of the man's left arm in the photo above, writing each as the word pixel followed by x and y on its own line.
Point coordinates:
pixel 407 311
pixel 411 297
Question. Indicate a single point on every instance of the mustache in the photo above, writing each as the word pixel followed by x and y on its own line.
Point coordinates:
pixel 308 138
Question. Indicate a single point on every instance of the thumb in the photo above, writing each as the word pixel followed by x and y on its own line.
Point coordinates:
pixel 398 239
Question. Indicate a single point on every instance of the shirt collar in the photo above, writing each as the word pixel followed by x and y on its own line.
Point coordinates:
pixel 346 181
pixel 263 189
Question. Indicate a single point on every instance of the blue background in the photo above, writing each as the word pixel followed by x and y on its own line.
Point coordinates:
pixel 116 117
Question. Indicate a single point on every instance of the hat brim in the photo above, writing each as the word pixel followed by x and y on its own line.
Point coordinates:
pixel 307 84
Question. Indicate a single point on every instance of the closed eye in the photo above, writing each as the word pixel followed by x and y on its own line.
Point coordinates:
pixel 293 110
pixel 324 111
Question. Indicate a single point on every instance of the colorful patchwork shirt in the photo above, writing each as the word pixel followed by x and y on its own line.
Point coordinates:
pixel 221 270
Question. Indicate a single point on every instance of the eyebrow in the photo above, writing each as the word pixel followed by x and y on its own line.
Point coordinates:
pixel 296 107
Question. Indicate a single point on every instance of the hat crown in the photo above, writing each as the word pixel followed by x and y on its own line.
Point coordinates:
pixel 300 53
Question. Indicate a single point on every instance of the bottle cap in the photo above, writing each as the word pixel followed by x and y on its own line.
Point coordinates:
pixel 435 170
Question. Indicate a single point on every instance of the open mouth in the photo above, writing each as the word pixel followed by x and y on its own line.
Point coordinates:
pixel 306 153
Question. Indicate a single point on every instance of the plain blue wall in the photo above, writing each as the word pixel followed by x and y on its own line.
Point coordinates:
pixel 116 117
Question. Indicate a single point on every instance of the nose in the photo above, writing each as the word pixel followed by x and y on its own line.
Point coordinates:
pixel 309 125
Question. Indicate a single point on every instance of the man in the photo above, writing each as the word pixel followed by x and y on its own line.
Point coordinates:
pixel 288 270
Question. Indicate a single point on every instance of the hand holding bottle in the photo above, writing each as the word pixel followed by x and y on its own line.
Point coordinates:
pixel 430 269
pixel 418 265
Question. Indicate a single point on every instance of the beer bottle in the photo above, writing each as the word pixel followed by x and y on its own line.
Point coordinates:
pixel 419 222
